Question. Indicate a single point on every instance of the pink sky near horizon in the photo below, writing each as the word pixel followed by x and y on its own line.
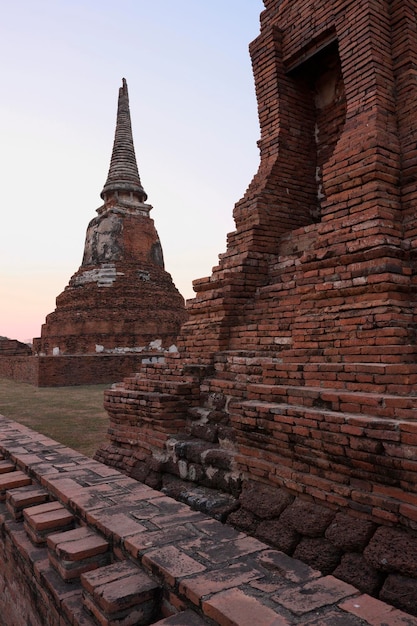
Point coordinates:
pixel 195 128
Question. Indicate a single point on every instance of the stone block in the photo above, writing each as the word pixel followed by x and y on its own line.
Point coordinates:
pixel 308 518
pixel 393 550
pixel 401 592
pixel 278 534
pixel 350 534
pixel 319 553
pixel 355 570
pixel 264 501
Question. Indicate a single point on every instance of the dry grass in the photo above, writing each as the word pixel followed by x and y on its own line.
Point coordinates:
pixel 73 416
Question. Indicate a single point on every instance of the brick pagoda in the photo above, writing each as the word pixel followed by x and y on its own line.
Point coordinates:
pixel 121 299
pixel 293 392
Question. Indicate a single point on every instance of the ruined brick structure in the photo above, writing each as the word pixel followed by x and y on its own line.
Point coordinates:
pixel 13 347
pixel 297 367
pixel 121 299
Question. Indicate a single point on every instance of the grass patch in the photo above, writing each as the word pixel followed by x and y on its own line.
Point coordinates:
pixel 73 416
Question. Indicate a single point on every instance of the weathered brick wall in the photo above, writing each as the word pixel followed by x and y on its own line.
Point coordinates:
pixel 21 603
pixel 63 371
pixel 360 217
pixel 83 545
pixel 23 369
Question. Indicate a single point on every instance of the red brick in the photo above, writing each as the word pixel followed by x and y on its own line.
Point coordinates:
pixel 12 480
pixel 314 595
pixel 376 613
pixel 235 608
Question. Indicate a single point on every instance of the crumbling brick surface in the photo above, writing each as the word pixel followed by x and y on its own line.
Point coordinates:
pixel 303 339
pixel 351 534
pixel 136 556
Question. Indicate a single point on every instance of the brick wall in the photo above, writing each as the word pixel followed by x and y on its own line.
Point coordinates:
pixel 83 545
pixel 301 345
pixel 62 371
pixel 23 369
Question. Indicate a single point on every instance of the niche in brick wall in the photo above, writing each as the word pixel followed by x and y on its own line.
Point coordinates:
pixel 320 89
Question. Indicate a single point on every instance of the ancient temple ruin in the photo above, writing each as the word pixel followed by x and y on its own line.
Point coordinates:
pixel 289 410
pixel 121 299
pixel 293 393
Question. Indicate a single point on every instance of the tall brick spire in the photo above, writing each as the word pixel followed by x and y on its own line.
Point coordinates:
pixel 121 298
pixel 123 174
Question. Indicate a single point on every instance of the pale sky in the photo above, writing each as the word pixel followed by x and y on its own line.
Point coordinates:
pixel 195 128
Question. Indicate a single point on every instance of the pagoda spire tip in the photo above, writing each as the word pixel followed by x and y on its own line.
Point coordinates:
pixel 123 174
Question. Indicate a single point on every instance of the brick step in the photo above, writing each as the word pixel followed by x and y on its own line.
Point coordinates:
pixel 6 466
pixel 360 352
pixel 332 448
pixel 43 519
pixel 12 480
pixel 264 408
pixel 133 396
pixel 121 593
pixel 378 377
pixel 185 618
pixel 334 399
pixel 24 497
pixel 76 551
pixel 383 377
pixel 284 428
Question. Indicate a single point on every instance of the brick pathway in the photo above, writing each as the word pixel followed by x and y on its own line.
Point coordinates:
pixel 123 546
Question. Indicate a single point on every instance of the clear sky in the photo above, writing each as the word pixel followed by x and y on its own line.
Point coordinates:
pixel 195 128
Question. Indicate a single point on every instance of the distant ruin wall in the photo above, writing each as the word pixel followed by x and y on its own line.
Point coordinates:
pixel 23 369
pixel 63 371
